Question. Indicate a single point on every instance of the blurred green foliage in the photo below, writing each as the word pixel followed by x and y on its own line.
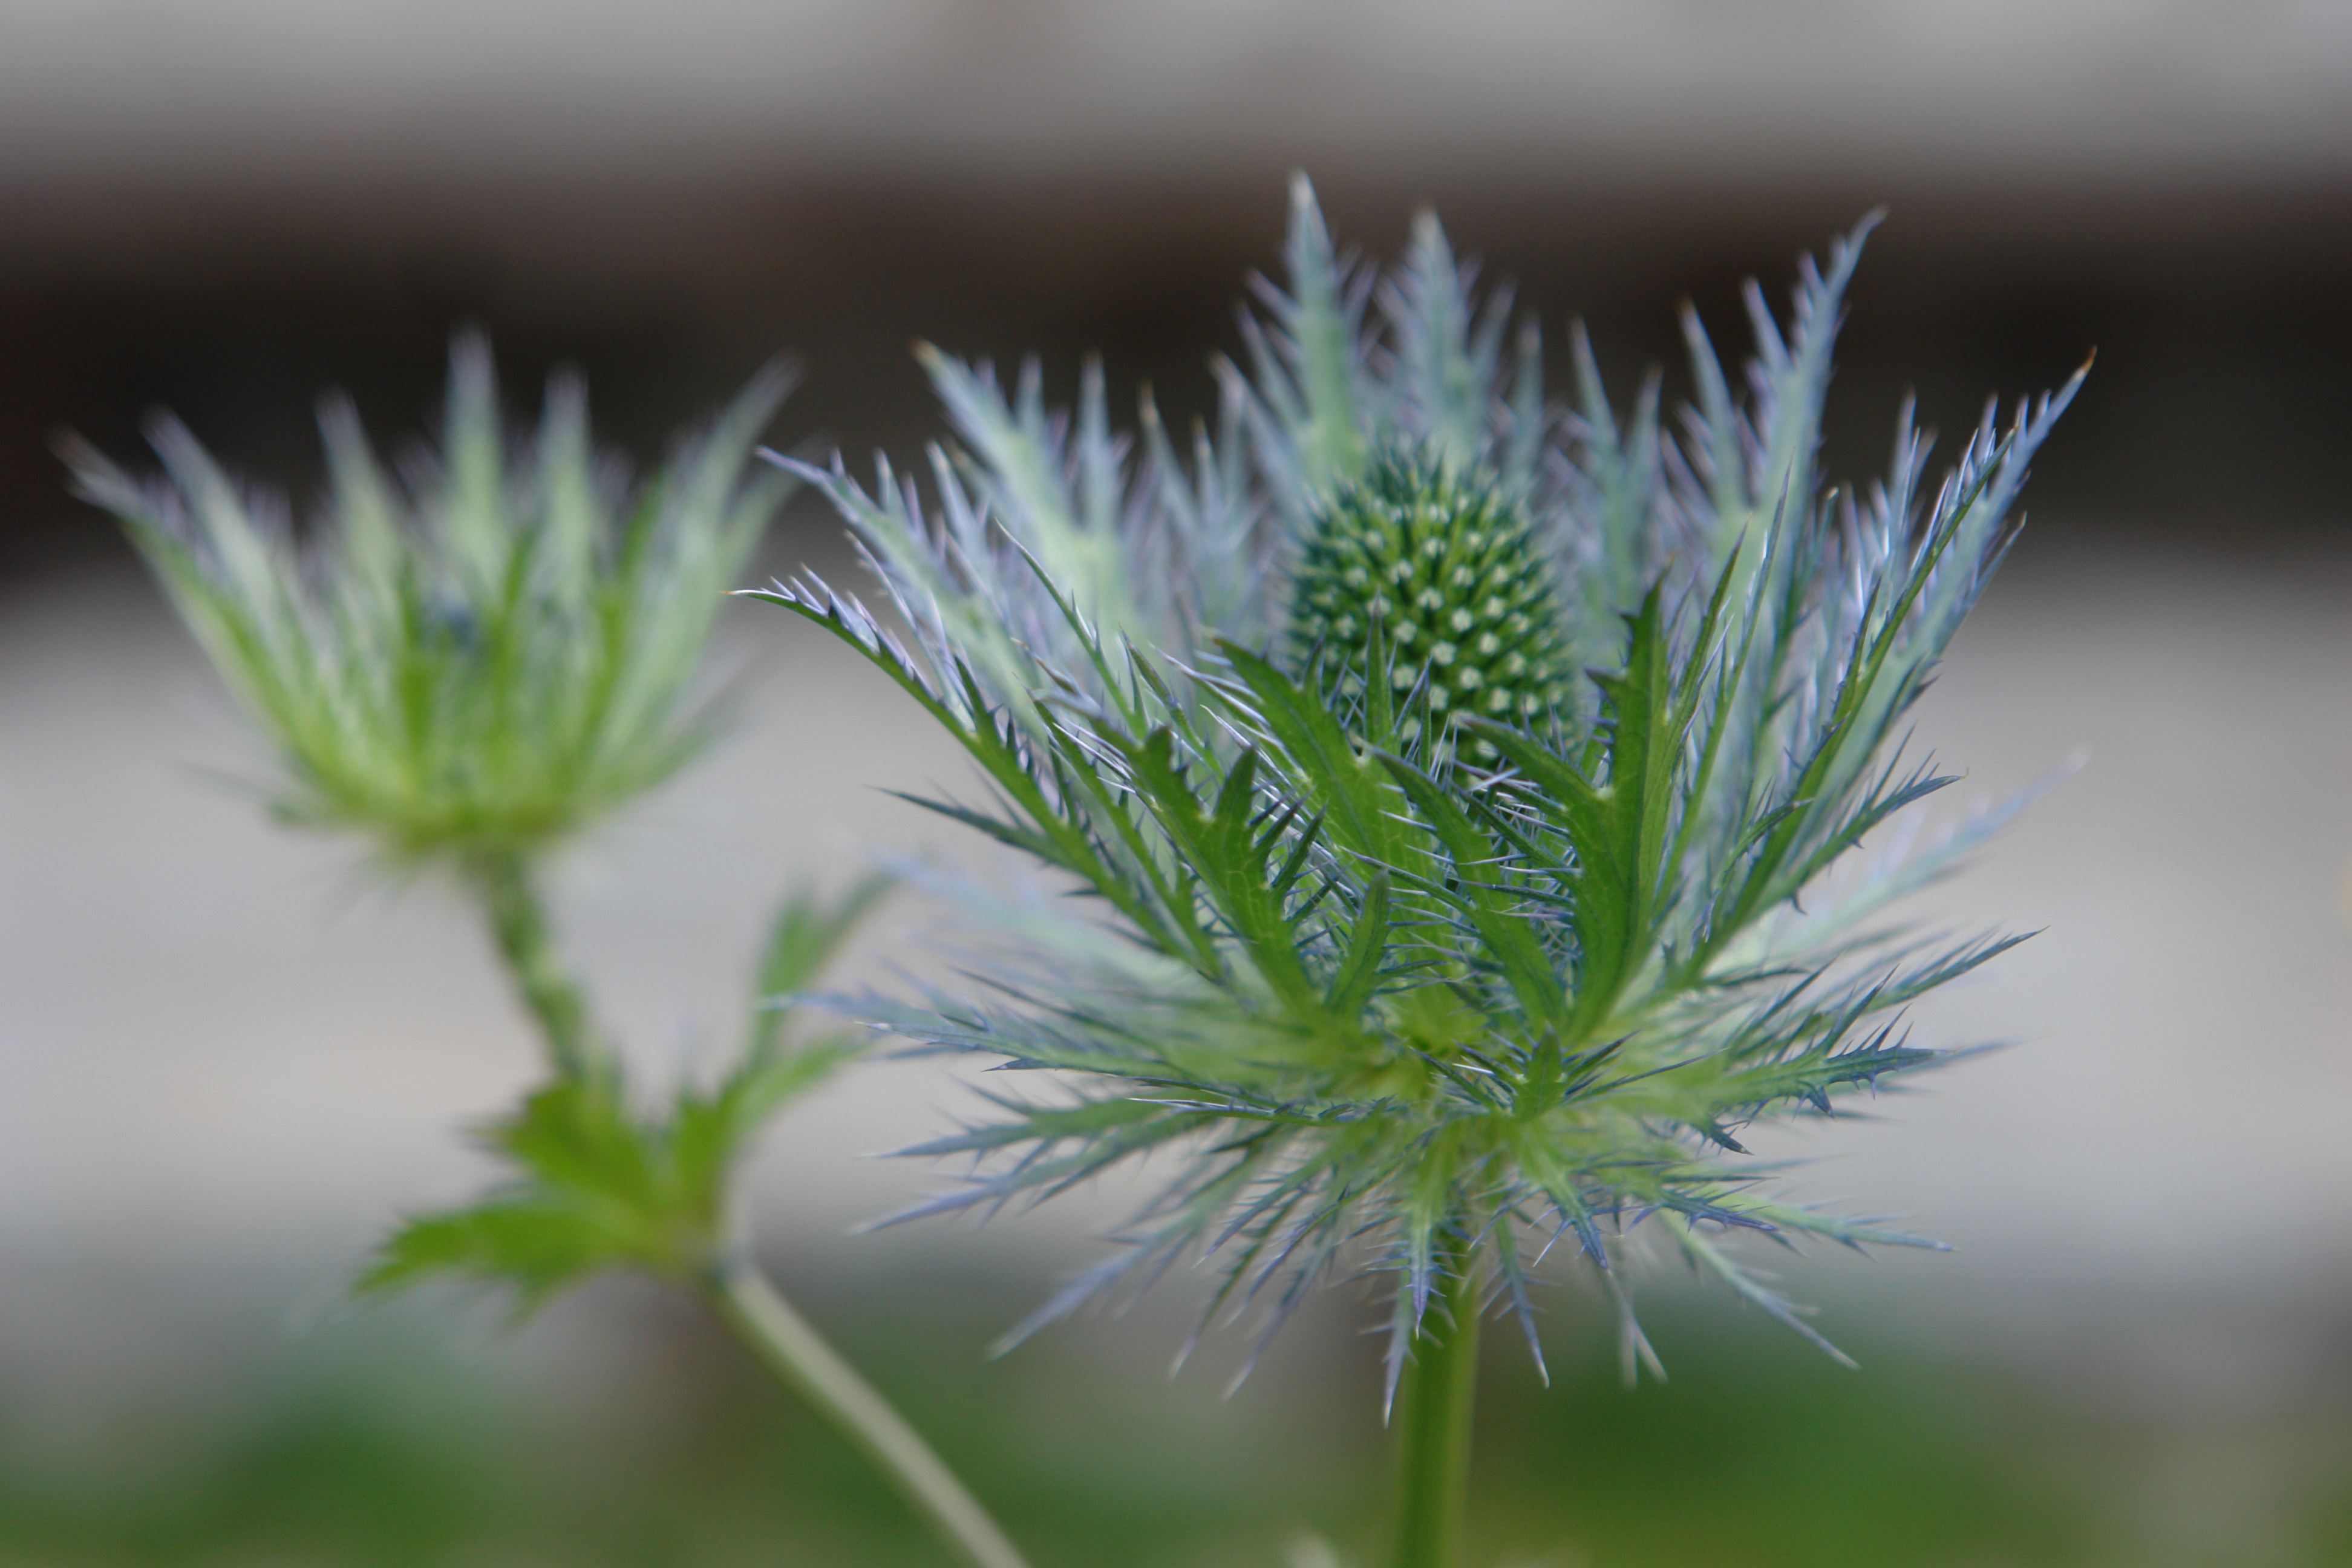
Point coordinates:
pixel 366 1449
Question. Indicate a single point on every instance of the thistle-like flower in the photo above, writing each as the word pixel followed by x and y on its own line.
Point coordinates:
pixel 1426 997
pixel 476 665
pixel 466 673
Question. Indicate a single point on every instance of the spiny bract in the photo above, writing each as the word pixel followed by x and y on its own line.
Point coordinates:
pixel 1433 584
pixel 472 666
pixel 1376 1009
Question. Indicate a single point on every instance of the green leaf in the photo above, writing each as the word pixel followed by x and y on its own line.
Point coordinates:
pixel 593 1192
pixel 1359 971
pixel 1229 859
pixel 594 1185
pixel 537 1248
pixel 1361 808
pixel 1509 938
pixel 1619 830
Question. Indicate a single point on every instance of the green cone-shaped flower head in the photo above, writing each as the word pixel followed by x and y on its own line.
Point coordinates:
pixel 1436 583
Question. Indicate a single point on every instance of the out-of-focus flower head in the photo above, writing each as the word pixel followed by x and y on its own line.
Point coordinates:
pixel 477 660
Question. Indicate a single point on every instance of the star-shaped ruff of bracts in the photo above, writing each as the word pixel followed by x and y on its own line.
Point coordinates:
pixel 1433 1007
pixel 478 659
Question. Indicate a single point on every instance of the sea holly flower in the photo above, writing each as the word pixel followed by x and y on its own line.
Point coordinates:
pixel 480 662
pixel 467 671
pixel 1415 996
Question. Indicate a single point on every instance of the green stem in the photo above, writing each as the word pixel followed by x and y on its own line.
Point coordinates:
pixel 519 924
pixel 783 1339
pixel 1434 1398
pixel 744 1300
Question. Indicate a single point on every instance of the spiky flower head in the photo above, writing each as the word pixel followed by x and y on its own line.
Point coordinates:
pixel 1430 586
pixel 474 665
pixel 1379 1010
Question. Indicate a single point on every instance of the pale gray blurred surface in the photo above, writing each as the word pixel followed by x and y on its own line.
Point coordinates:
pixel 219 1047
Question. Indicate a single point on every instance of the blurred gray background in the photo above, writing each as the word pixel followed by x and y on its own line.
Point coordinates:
pixel 226 1063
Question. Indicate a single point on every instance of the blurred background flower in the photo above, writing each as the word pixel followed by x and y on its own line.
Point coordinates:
pixel 223 1071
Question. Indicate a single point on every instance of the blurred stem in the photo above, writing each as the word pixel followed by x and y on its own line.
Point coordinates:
pixel 783 1341
pixel 518 923
pixel 779 1337
pixel 1435 1400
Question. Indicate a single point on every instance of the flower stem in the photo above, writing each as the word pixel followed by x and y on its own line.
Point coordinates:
pixel 519 924
pixel 736 1292
pixel 1434 1398
pixel 782 1339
